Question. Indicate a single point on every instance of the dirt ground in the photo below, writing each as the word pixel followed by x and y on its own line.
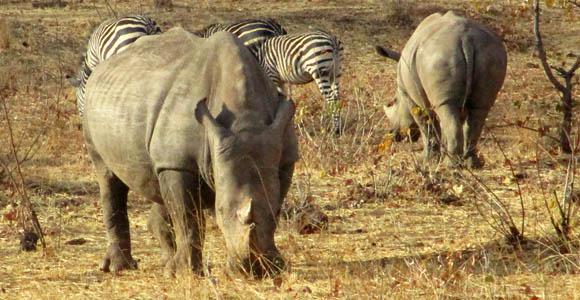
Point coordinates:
pixel 397 229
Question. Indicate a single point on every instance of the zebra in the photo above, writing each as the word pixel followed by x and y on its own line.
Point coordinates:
pixel 110 37
pixel 301 58
pixel 250 31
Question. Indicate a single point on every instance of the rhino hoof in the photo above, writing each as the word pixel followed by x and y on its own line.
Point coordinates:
pixel 116 261
pixel 454 162
pixel 176 265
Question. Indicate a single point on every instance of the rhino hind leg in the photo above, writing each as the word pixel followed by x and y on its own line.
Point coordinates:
pixel 159 224
pixel 114 204
pixel 451 131
pixel 186 214
pixel 472 131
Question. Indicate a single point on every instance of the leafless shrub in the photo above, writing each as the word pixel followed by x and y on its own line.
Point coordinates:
pixel 567 205
pixel 565 89
pixel 26 213
pixel 495 210
pixel 562 209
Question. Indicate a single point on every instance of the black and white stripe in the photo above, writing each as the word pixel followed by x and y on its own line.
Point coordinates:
pixel 250 31
pixel 303 57
pixel 110 37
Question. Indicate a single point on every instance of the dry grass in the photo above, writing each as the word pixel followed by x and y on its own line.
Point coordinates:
pixel 4 35
pixel 397 229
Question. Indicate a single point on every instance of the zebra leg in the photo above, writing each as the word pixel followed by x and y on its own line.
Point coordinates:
pixel 334 108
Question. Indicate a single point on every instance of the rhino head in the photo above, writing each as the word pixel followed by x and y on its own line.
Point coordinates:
pixel 246 171
pixel 398 111
pixel 402 124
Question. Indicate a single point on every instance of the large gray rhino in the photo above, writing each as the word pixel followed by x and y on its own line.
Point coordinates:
pixel 191 123
pixel 449 74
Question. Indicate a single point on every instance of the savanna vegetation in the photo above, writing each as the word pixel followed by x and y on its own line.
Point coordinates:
pixel 365 218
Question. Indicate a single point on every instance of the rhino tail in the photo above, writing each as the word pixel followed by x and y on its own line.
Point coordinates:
pixel 388 53
pixel 469 55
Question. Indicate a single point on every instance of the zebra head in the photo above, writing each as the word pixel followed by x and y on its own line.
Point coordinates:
pixel 82 74
pixel 278 29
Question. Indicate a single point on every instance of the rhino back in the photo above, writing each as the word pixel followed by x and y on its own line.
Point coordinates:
pixel 432 68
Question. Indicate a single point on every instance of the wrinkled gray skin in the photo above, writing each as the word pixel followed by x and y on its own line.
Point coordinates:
pixel 453 69
pixel 191 123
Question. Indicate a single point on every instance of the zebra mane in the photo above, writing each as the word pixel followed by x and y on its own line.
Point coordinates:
pixel 210 29
pixel 215 27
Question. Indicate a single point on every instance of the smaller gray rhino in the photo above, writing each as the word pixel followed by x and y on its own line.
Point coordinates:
pixel 448 77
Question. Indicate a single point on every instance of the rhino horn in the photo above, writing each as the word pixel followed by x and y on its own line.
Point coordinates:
pixel 392 54
pixel 389 112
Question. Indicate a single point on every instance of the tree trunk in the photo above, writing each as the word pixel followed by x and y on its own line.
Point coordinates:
pixel 566 125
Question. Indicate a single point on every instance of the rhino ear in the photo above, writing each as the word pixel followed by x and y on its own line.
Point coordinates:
pixel 388 53
pixel 204 117
pixel 244 213
pixel 284 114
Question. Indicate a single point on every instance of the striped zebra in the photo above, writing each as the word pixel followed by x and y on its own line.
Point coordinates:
pixel 301 58
pixel 250 31
pixel 110 37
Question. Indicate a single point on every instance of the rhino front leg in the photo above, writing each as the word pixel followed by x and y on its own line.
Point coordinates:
pixel 285 175
pixel 159 224
pixel 186 214
pixel 114 205
pixel 451 129
pixel 427 126
pixel 472 131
